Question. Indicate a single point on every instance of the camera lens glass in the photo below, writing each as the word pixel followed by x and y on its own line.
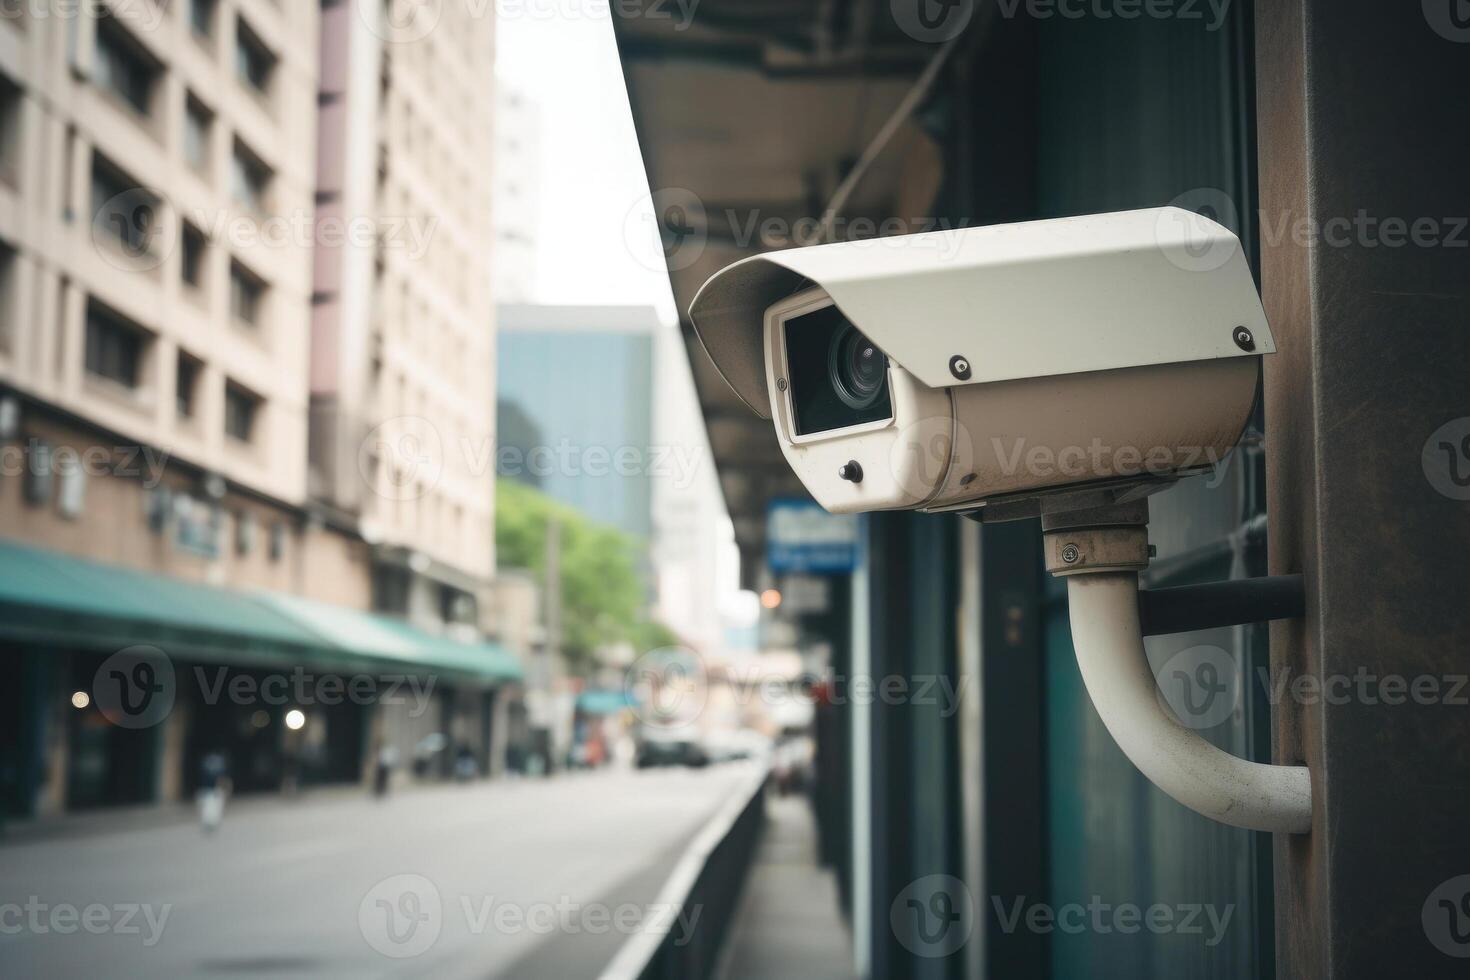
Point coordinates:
pixel 838 378
pixel 857 369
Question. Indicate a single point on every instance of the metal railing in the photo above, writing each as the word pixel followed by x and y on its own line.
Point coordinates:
pixel 709 877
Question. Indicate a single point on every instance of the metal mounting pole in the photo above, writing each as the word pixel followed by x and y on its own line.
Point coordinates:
pixel 1100 552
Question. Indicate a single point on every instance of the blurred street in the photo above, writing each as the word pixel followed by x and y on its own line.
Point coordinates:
pixel 278 890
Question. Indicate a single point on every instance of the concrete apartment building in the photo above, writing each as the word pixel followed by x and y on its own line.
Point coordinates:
pixel 158 223
pixel 517 194
pixel 157 166
pixel 403 384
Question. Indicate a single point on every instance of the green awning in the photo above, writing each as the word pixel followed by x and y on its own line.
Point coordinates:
pixel 485 659
pixel 395 642
pixel 51 598
pixel 603 702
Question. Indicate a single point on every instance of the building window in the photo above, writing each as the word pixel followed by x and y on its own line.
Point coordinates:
pixel 247 295
pixel 124 68
pixel 40 465
pixel 201 17
pixel 7 295
pixel 194 246
pixel 11 104
pixel 244 532
pixel 186 385
pixel 254 62
pixel 122 209
pixel 241 407
pixel 115 347
pixel 73 496
pixel 198 121
pixel 250 180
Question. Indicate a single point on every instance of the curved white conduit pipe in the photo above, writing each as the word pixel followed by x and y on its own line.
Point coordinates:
pixel 1207 779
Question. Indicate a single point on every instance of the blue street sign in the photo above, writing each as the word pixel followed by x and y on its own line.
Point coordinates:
pixel 802 538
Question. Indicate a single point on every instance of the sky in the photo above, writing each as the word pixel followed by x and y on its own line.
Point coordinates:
pixel 596 233
pixel 597 241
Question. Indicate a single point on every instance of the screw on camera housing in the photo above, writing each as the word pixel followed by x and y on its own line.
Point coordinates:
pixel 1244 339
pixel 959 366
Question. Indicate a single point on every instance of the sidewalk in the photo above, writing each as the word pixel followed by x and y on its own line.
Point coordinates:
pixel 146 816
pixel 788 924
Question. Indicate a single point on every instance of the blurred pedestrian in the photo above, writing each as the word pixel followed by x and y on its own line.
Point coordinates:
pixel 385 759
pixel 466 767
pixel 214 788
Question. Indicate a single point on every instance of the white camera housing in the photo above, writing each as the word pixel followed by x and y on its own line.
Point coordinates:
pixel 1021 359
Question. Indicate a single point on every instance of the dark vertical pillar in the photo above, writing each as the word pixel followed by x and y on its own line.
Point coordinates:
pixel 888 569
pixel 929 667
pixel 910 694
pixel 1015 756
pixel 1364 131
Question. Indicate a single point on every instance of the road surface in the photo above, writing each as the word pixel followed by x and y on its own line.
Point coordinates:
pixel 453 881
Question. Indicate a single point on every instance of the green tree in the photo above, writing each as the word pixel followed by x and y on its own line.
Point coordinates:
pixel 603 590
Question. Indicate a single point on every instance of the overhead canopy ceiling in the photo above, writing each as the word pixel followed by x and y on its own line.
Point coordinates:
pixel 749 115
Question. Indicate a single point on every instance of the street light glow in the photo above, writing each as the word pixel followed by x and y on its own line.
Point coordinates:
pixel 295 719
pixel 80 700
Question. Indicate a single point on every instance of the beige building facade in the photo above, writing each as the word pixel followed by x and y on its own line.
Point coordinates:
pixel 403 373
pixel 156 227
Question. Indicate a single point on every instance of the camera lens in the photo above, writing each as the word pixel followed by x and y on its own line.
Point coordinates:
pixel 837 378
pixel 857 368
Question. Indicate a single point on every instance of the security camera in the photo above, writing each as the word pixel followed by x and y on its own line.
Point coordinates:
pixel 956 369
pixel 1063 369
